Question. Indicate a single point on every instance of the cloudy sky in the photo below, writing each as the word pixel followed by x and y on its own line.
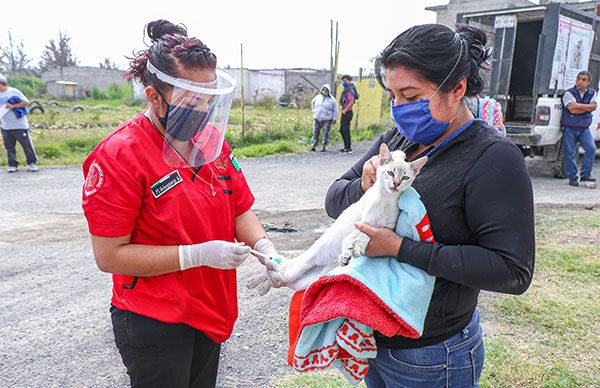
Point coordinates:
pixel 274 33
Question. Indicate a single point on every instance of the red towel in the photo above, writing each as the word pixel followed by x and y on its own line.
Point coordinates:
pixel 338 296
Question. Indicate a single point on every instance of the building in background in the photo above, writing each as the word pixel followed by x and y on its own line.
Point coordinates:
pixel 271 84
pixel 74 82
pixel 446 14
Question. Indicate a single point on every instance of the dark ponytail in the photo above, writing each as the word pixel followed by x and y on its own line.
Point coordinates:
pixel 439 55
pixel 170 48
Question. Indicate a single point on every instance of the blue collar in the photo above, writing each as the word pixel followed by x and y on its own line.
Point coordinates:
pixel 454 135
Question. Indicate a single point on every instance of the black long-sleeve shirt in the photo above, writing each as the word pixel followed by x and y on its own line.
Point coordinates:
pixel 479 200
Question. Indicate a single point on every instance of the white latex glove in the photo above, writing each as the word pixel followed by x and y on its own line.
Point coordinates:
pixel 215 254
pixel 272 265
pixel 267 247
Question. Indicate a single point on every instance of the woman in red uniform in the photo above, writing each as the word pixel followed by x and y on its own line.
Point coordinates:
pixel 165 201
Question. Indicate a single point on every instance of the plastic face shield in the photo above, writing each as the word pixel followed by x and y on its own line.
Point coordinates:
pixel 196 119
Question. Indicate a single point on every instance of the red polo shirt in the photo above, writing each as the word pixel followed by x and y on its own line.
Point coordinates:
pixel 130 190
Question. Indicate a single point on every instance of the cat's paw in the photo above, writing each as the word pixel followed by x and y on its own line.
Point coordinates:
pixel 344 259
pixel 359 245
pixel 346 255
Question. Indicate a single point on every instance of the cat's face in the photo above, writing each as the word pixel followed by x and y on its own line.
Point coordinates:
pixel 395 172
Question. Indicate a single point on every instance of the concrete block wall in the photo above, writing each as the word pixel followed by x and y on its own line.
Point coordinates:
pixel 293 78
pixel 258 84
pixel 86 78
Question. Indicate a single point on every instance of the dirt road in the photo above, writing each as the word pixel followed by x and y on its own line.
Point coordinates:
pixel 54 326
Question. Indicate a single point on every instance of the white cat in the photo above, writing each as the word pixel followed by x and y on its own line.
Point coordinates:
pixel 378 207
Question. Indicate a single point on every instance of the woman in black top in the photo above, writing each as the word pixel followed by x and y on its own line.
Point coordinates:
pixel 477 192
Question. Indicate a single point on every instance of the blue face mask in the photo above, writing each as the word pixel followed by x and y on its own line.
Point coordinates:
pixel 414 121
pixel 345 84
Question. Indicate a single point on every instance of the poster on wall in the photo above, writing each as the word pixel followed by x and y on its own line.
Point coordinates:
pixel 560 52
pixel 578 54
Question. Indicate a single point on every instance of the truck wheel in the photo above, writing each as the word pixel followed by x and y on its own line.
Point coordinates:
pixel 558 166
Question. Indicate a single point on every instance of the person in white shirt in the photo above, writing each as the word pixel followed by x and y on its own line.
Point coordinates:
pixel 15 126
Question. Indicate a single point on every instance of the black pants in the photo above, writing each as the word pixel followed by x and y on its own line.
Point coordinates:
pixel 10 137
pixel 345 129
pixel 158 354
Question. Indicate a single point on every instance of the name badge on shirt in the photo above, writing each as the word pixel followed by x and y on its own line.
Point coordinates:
pixel 166 183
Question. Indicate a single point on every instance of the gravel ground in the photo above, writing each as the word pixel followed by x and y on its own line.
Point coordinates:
pixel 54 327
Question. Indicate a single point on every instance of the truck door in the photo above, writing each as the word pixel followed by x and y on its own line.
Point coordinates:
pixel 501 31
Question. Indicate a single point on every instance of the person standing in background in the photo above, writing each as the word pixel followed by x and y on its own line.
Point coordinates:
pixel 578 104
pixel 15 126
pixel 349 96
pixel 325 111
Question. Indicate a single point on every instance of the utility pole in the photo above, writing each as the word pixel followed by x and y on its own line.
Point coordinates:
pixel 334 49
pixel 335 68
pixel 331 44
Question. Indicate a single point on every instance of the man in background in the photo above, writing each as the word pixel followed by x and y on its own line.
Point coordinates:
pixel 578 104
pixel 325 111
pixel 15 126
pixel 347 99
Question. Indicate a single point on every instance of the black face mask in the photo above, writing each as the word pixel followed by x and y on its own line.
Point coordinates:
pixel 189 121
pixel 186 122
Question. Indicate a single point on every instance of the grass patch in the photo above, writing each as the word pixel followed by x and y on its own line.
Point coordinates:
pixel 96 113
pixel 506 366
pixel 550 336
pixel 260 150
pixel 368 133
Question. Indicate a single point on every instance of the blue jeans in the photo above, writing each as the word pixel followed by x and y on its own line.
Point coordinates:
pixel 456 362
pixel 570 138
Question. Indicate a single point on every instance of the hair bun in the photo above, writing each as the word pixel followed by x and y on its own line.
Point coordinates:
pixel 159 28
pixel 476 40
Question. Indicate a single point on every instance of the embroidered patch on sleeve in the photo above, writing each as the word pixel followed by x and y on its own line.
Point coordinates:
pixel 222 162
pixel 94 179
pixel 234 162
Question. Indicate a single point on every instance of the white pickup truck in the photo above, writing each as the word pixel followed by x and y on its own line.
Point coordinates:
pixel 537 52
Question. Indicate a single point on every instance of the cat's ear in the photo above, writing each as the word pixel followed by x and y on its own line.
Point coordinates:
pixel 418 164
pixel 384 154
